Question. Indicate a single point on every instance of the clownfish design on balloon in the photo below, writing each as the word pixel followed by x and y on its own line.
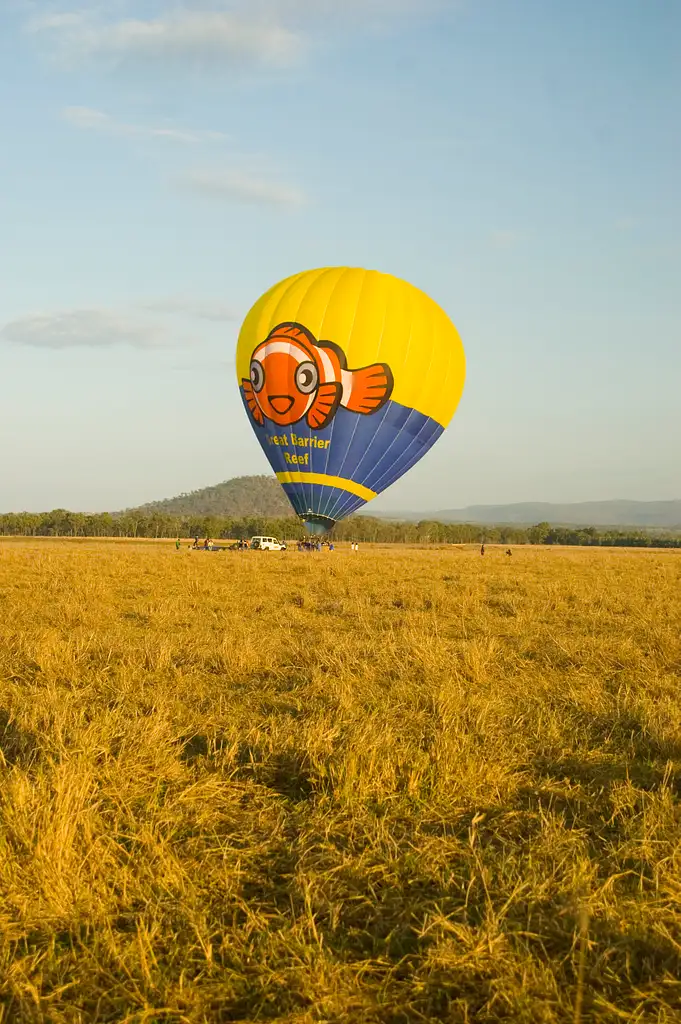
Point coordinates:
pixel 336 435
pixel 293 376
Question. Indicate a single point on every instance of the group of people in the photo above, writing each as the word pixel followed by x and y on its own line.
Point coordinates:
pixel 208 544
pixel 315 545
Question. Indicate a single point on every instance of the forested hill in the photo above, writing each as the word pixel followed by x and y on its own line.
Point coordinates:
pixel 242 496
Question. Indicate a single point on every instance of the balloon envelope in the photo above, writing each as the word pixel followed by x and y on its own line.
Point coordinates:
pixel 348 377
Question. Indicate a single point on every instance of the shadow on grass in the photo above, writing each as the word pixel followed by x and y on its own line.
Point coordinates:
pixel 377 924
pixel 625 751
pixel 17 746
pixel 285 772
pixel 376 920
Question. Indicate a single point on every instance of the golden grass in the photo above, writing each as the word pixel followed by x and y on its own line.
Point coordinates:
pixel 402 785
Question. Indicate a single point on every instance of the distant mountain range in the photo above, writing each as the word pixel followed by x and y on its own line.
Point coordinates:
pixel 661 514
pixel 263 496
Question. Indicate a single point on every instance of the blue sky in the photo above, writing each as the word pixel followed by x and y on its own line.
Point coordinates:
pixel 163 163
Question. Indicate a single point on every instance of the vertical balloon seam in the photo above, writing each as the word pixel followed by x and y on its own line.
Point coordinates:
pixel 375 437
pixel 345 507
pixel 345 503
pixel 322 272
pixel 332 498
pixel 324 510
pixel 423 302
pixel 426 426
pixel 438 334
pixel 328 496
pixel 351 500
pixel 448 374
pixel 347 273
pixel 403 447
pixel 356 472
pixel 450 365
pixel 278 293
pixel 276 316
pixel 338 499
pixel 405 363
pixel 380 483
pixel 377 359
pixel 394 440
pixel 309 483
pixel 424 447
pixel 427 306
pixel 342 273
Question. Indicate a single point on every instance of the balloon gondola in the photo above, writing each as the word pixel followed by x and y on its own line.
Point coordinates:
pixel 348 377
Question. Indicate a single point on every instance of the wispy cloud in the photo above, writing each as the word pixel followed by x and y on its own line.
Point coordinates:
pixel 271 33
pixel 96 120
pixel 85 328
pixel 224 183
pixel 201 309
pixel 234 186
pixel 221 37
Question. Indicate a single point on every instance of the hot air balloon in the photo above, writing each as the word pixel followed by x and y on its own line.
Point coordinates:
pixel 348 377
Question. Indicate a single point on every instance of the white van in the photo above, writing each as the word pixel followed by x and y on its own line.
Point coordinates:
pixel 267 544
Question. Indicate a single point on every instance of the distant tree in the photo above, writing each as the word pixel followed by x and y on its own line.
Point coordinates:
pixel 539 534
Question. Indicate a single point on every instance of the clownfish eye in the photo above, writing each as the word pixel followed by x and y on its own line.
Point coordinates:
pixel 307 378
pixel 257 375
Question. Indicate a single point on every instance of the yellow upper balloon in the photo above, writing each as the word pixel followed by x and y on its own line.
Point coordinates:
pixel 373 317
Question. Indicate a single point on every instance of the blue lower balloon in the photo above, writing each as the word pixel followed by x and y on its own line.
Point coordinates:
pixel 328 474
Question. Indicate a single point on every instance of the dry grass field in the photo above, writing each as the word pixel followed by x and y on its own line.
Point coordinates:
pixel 392 786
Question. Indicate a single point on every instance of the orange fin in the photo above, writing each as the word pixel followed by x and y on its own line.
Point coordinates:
pixel 323 409
pixel 372 386
pixel 256 412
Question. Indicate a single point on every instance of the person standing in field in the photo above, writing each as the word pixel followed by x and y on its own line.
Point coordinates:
pixel 178 542
pixel 482 548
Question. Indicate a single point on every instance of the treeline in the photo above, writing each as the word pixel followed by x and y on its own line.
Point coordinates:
pixel 61 523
